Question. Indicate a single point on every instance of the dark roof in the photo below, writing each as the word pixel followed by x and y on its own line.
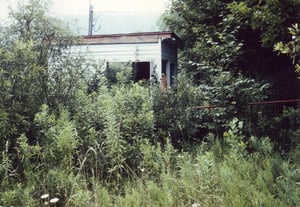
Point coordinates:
pixel 143 37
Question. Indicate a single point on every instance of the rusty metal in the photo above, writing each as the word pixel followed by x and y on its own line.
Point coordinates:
pixel 251 104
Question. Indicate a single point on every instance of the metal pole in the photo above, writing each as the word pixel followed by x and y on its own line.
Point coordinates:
pixel 91 19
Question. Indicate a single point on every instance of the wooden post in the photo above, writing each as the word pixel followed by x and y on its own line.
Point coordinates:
pixel 164 82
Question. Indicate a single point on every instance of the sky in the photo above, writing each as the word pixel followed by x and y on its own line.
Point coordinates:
pixel 81 7
pixel 113 16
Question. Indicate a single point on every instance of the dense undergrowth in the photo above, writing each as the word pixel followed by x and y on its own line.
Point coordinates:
pixel 75 134
pixel 109 152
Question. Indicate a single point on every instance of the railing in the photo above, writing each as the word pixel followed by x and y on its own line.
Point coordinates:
pixel 283 102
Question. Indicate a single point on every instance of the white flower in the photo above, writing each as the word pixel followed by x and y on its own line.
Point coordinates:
pixel 54 200
pixel 44 196
pixel 196 205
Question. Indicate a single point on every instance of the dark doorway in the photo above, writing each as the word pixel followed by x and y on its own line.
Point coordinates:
pixel 141 71
pixel 164 67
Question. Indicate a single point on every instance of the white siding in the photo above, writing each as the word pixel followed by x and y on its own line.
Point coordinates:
pixel 128 52
pixel 120 52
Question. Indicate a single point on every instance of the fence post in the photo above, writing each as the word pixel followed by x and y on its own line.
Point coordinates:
pixel 164 83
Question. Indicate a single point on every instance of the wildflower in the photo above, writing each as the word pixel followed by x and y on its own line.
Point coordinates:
pixel 44 196
pixel 54 200
pixel 196 205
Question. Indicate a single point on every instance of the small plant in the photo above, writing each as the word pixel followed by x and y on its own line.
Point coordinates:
pixel 46 201
pixel 54 201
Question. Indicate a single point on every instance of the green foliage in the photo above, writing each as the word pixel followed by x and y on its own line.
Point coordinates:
pixel 119 73
pixel 217 173
pixel 58 136
pixel 102 196
pixel 113 123
pixel 227 42
pixel 291 48
pixel 69 133
pixel 193 111
pixel 28 155
pixel 236 36
pixel 29 40
pixel 282 128
pixel 6 168
pixel 19 91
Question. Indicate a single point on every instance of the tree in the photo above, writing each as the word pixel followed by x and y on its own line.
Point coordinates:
pixel 28 41
pixel 237 36
pixel 292 48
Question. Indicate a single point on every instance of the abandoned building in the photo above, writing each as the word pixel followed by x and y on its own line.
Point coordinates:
pixel 154 54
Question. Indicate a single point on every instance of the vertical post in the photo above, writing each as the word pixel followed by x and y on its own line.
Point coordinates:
pixel 159 60
pixel 91 19
pixel 164 82
pixel 168 72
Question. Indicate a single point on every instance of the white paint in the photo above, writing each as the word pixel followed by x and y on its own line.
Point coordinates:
pixel 120 52
pixel 153 53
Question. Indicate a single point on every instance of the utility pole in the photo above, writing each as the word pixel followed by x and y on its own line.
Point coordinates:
pixel 91 19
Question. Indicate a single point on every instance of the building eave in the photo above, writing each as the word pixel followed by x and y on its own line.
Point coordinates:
pixel 131 38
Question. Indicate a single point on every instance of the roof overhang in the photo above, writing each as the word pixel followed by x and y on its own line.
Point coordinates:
pixel 131 38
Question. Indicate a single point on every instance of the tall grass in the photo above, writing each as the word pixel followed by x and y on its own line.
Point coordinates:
pixel 106 153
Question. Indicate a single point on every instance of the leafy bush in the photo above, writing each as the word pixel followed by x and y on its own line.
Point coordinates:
pixel 191 112
pixel 86 141
pixel 113 123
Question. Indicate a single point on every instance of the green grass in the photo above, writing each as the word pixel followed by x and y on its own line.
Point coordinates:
pixel 184 179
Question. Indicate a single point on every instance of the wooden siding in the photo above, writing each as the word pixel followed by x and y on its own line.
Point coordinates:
pixel 120 52
pixel 152 47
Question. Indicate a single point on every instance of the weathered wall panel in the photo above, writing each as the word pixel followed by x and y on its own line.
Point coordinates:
pixel 120 52
pixel 152 47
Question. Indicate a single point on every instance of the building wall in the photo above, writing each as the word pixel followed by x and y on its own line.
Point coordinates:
pixel 153 53
pixel 169 57
pixel 169 52
pixel 120 52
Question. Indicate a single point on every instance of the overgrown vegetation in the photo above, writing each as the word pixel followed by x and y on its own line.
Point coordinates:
pixel 74 135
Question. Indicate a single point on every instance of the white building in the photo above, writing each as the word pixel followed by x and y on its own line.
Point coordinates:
pixel 154 53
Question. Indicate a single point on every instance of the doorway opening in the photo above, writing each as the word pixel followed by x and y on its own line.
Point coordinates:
pixel 141 71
